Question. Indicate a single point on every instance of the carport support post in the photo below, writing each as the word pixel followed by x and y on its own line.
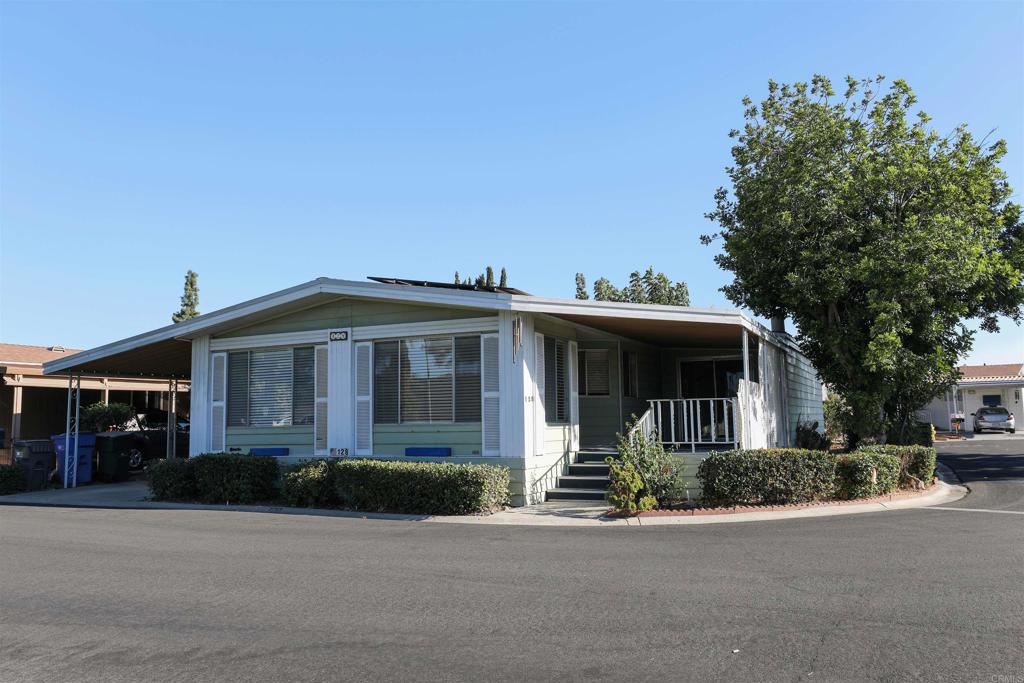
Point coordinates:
pixel 71 448
pixel 746 356
pixel 172 418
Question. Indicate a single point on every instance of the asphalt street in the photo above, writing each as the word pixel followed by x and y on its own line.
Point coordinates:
pixel 156 595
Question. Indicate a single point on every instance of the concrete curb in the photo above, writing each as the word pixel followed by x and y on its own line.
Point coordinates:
pixel 538 515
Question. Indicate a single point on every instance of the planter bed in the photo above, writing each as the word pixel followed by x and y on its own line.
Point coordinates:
pixel 697 510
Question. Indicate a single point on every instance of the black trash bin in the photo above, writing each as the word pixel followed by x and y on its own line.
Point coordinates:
pixel 113 456
pixel 37 459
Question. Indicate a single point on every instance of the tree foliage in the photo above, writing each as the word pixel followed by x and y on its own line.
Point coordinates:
pixel 643 288
pixel 877 235
pixel 484 279
pixel 189 299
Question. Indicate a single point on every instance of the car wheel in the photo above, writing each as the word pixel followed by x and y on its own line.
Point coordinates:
pixel 135 458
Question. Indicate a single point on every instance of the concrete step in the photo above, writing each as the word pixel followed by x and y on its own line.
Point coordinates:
pixel 573 481
pixel 575 494
pixel 589 469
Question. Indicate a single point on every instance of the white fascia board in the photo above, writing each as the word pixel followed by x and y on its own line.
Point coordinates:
pixel 998 381
pixel 612 309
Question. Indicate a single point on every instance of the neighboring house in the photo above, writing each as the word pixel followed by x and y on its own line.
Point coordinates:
pixel 414 370
pixel 979 385
pixel 35 407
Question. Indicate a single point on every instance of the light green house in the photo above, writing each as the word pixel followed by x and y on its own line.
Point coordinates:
pixel 428 371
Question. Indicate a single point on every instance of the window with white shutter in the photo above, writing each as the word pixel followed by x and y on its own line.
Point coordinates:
pixel 556 396
pixel 218 394
pixel 490 394
pixel 270 387
pixel 320 398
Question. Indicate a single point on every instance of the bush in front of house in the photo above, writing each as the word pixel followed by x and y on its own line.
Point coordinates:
pixel 239 479
pixel 171 480
pixel 12 479
pixel 767 475
pixel 422 488
pixel 864 474
pixel 660 473
pixel 917 463
pixel 808 436
pixel 626 490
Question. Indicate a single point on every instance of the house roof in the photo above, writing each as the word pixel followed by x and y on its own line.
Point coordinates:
pixel 166 348
pixel 31 356
pixel 1006 372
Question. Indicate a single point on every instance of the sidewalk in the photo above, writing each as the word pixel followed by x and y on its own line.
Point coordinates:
pixel 135 496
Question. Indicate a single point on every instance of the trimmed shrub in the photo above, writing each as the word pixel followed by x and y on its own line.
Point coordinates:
pixel 12 479
pixel 100 417
pixel 311 484
pixel 917 463
pixel 239 479
pixel 171 480
pixel 422 488
pixel 864 474
pixel 660 474
pixel 768 475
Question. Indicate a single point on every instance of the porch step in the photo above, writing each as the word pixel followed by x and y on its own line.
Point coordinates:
pixel 589 469
pixel 575 494
pixel 594 456
pixel 574 481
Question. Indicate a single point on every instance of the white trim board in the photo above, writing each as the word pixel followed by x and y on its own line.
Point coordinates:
pixel 257 341
pixel 457 326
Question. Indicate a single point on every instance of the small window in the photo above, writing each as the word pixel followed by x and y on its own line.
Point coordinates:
pixel 630 375
pixel 595 376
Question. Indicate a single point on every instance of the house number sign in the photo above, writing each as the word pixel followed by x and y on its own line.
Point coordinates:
pixel 339 336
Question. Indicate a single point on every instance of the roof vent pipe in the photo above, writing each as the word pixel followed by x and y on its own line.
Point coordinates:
pixel 779 324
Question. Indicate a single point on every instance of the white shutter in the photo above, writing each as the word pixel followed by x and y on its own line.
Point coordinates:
pixel 320 385
pixel 539 418
pixel 218 396
pixel 574 396
pixel 490 394
pixel 364 398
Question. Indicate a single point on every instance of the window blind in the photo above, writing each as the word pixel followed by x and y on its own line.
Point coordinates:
pixel 467 379
pixel 238 389
pixel 425 373
pixel 302 386
pixel 385 382
pixel 270 388
pixel 595 376
pixel 555 387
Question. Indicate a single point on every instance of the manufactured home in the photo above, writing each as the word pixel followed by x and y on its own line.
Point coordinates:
pixel 413 370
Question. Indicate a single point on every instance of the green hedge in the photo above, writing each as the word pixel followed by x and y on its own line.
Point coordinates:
pixel 171 480
pixel 768 475
pixel 216 478
pixel 917 463
pixel 12 479
pixel 427 488
pixel 864 474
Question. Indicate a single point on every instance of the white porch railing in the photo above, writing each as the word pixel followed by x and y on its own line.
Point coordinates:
pixel 694 422
pixel 643 427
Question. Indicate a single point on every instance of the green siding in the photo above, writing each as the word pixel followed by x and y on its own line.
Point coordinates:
pixel 803 392
pixel 353 313
pixel 463 438
pixel 299 440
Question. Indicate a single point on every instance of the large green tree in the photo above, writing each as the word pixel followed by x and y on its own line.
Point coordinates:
pixel 879 236
pixel 189 299
pixel 643 288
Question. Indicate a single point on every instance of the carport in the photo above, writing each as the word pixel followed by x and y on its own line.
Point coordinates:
pixel 168 361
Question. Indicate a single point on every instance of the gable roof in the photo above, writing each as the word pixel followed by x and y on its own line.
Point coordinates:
pixel 165 347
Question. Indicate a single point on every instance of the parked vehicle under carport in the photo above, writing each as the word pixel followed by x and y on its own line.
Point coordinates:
pixel 146 439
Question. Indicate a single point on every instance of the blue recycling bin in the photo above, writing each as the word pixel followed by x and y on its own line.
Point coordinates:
pixel 86 445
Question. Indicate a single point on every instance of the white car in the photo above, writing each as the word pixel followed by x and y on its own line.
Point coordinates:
pixel 996 418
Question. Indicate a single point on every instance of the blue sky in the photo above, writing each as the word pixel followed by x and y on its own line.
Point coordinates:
pixel 263 145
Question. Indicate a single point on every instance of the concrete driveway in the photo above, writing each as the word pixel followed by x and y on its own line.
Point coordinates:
pixel 184 595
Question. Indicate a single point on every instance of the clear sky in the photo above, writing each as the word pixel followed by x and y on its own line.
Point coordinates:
pixel 264 145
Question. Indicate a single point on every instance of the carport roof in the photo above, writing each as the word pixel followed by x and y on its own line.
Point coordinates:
pixel 166 352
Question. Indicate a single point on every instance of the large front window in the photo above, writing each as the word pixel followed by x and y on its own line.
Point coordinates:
pixel 426 379
pixel 270 388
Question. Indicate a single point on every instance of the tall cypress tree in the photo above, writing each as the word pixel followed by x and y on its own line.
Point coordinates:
pixel 189 299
